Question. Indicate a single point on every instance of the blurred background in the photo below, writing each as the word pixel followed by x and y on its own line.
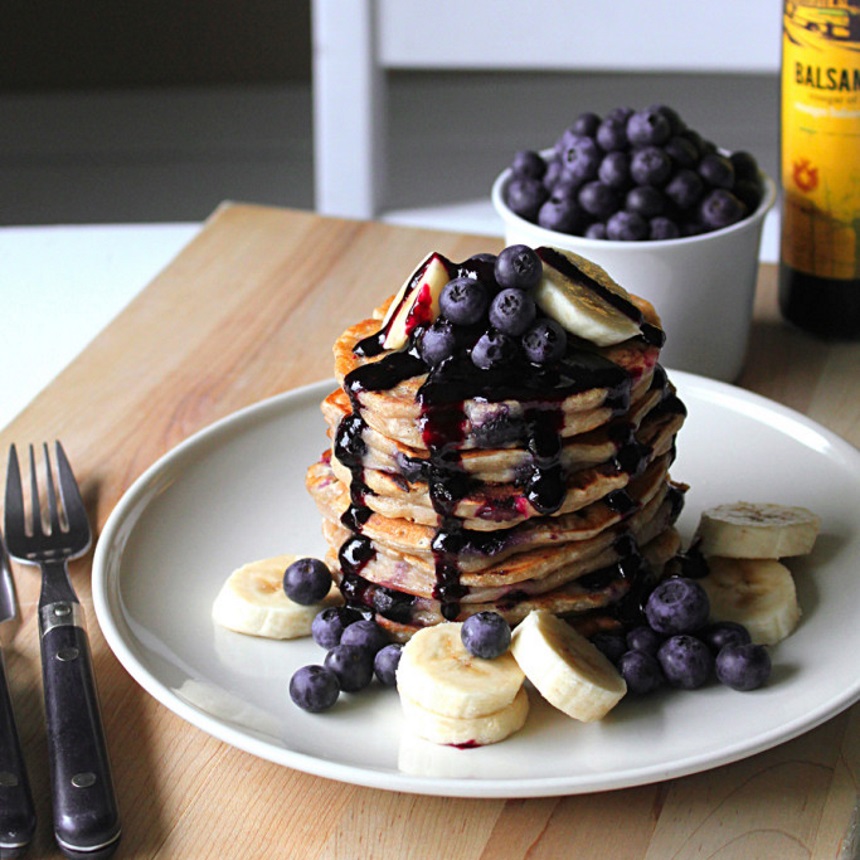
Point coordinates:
pixel 113 111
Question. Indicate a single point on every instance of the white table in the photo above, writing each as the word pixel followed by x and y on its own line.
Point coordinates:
pixel 60 285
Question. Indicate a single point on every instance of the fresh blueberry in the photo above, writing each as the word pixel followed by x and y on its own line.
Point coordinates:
pixel 686 661
pixel 677 605
pixel 743 666
pixel 518 267
pixel 717 170
pixel 307 581
pixel 563 214
pixel 586 123
pixel 554 169
pixel 314 688
pixel 438 342
pixel 545 341
pixel 611 134
pixel 493 349
pixel 650 166
pixel 486 635
pixel 597 230
pixel 644 638
pixel 524 196
pixel 614 170
pixel 641 672
pixel 611 644
pixel 598 199
pixel 672 116
pixel 626 227
pixel 385 663
pixel 365 634
pixel 582 157
pixel 682 151
pixel 512 311
pixel 528 163
pixel 463 301
pixel 685 188
pixel 329 624
pixel 648 126
pixel 662 228
pixel 645 200
pixel 351 665
pixel 745 166
pixel 721 209
pixel 749 192
pixel 721 633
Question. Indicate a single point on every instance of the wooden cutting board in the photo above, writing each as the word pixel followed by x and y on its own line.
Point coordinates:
pixel 249 309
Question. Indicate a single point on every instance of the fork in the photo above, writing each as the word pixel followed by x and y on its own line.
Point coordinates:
pixel 86 817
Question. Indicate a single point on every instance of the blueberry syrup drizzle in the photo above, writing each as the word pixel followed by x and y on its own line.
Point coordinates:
pixel 443 422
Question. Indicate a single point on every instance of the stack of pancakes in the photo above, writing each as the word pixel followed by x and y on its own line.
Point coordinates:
pixel 448 491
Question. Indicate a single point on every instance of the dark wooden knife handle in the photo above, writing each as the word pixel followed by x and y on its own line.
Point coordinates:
pixel 17 815
pixel 86 817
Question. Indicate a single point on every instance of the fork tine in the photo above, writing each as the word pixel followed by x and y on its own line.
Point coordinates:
pixel 14 500
pixel 36 522
pixel 76 512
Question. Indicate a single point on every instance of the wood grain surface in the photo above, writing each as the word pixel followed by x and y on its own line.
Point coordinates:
pixel 250 308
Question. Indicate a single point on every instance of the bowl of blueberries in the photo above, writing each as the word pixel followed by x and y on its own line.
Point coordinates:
pixel 668 214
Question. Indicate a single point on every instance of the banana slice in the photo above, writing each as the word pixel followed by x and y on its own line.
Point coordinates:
pixel 466 731
pixel 758 593
pixel 567 670
pixel 748 530
pixel 437 673
pixel 252 601
pixel 583 299
pixel 417 301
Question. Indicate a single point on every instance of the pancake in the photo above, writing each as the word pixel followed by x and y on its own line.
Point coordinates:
pixel 454 485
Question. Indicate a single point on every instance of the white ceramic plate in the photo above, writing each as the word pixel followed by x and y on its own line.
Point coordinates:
pixel 235 492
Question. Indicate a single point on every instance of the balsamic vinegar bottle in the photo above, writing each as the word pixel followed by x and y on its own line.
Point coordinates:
pixel 819 272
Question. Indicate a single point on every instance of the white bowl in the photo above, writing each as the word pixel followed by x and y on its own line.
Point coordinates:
pixel 702 287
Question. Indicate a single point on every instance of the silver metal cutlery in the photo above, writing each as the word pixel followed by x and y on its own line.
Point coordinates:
pixel 86 818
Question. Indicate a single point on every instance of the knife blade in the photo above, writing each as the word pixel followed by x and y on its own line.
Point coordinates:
pixel 17 813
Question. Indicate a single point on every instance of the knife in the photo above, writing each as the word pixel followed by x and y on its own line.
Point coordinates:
pixel 17 814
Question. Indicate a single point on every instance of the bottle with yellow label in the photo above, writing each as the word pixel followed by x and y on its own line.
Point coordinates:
pixel 819 278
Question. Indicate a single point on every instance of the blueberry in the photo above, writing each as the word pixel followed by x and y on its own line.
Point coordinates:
pixel 438 342
pixel 650 166
pixel 626 227
pixel 686 661
pixel 596 230
pixel 745 166
pixel 721 633
pixel 682 151
pixel 307 581
pixel 614 170
pixel 562 214
pixel 524 196
pixel 518 267
pixel 611 134
pixel 385 663
pixel 554 169
pixel 463 301
pixel 641 672
pixel 648 126
pixel 545 342
pixel 645 200
pixel 598 199
pixel 672 116
pixel 493 349
pixel 528 163
pixel 721 209
pixel 512 311
pixel 644 638
pixel 677 605
pixel 685 188
pixel 749 192
pixel 351 665
pixel 743 666
pixel 611 644
pixel 365 634
pixel 581 157
pixel 717 170
pixel 329 624
pixel 486 635
pixel 662 228
pixel 314 688
pixel 586 123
